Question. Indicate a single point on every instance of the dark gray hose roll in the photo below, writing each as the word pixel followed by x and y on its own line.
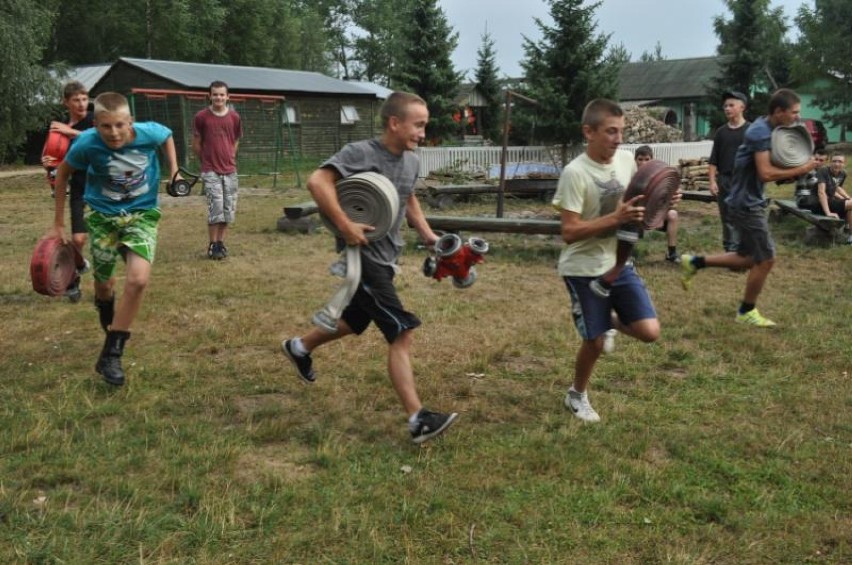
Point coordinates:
pixel 792 146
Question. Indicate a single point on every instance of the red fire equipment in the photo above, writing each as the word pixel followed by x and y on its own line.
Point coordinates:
pixel 56 146
pixel 456 260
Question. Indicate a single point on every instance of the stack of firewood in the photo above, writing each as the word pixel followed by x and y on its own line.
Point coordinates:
pixel 694 174
pixel 640 126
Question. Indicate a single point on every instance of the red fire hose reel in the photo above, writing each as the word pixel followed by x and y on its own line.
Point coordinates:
pixel 456 259
pixel 53 266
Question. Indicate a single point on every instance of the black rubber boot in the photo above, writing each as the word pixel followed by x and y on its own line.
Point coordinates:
pixel 106 311
pixel 109 363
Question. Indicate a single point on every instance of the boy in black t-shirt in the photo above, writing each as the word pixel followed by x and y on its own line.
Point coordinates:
pixel 75 98
pixel 721 170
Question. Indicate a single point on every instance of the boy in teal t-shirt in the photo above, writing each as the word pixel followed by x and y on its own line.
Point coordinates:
pixel 122 183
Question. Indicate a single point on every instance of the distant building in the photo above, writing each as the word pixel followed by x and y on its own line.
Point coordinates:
pixel 318 114
pixel 681 86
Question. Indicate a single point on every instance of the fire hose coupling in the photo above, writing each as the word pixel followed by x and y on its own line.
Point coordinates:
pixel 182 187
pixel 456 259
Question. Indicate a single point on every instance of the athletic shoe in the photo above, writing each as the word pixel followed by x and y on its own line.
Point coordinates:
pixel 687 270
pixel 609 340
pixel 222 249
pixel 214 251
pixel 73 292
pixel 303 363
pixel 430 424
pixel 753 318
pixel 672 257
pixel 578 404
pixel 85 268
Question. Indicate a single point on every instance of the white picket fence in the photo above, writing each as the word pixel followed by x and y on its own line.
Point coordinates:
pixel 672 152
pixel 477 158
pixel 485 158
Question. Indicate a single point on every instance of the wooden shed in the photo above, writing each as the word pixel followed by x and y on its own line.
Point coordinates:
pixel 300 112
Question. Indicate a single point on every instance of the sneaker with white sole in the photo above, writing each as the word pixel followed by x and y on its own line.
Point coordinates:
pixel 609 340
pixel 753 318
pixel 302 363
pixel 430 424
pixel 579 405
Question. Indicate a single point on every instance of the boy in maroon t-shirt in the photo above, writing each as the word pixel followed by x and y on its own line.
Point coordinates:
pixel 216 136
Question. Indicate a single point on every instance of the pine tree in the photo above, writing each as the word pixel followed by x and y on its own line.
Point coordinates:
pixel 825 52
pixel 426 67
pixel 489 85
pixel 566 69
pixel 756 55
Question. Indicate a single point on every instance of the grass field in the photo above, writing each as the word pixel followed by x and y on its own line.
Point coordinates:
pixel 719 444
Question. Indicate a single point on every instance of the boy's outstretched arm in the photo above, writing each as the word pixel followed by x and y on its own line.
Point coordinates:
pixel 57 230
pixel 171 156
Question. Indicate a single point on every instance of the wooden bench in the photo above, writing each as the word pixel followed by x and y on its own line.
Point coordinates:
pixel 830 227
pixel 501 225
pixel 296 211
pixel 699 195
pixel 443 196
pixel 296 218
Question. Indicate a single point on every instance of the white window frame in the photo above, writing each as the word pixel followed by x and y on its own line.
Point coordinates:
pixel 349 115
pixel 292 115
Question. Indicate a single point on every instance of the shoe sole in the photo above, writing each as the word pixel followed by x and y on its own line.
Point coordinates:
pixel 761 326
pixel 450 420
pixel 111 382
pixel 576 413
pixel 295 365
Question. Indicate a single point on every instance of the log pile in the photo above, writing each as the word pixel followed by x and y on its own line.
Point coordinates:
pixel 694 174
pixel 641 127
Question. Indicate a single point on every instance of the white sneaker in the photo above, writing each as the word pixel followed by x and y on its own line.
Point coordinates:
pixel 578 404
pixel 609 340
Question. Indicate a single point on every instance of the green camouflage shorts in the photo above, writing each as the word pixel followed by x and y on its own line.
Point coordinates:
pixel 137 231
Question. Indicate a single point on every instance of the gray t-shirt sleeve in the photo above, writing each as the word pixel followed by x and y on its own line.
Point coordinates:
pixel 348 161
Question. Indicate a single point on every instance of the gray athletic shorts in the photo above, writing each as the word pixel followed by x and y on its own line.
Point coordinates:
pixel 755 240
pixel 221 197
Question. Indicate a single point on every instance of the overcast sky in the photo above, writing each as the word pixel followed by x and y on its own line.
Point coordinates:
pixel 684 28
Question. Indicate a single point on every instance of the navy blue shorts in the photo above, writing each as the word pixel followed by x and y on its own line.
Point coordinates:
pixel 376 301
pixel 628 298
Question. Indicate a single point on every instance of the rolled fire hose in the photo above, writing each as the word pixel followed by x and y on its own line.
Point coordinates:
pixel 366 198
pixel 792 146
pixel 53 267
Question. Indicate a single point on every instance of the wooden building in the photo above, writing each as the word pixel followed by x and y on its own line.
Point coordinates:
pixel 679 86
pixel 306 113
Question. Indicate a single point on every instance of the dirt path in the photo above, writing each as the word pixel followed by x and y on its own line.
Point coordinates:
pixel 26 171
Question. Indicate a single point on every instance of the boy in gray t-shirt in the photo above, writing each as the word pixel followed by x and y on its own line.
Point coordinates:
pixel 404 117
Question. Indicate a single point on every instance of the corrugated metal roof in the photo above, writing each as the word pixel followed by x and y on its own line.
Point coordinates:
pixel 89 75
pixel 667 79
pixel 247 79
pixel 377 89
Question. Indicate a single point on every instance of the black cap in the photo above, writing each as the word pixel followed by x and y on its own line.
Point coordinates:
pixel 735 94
